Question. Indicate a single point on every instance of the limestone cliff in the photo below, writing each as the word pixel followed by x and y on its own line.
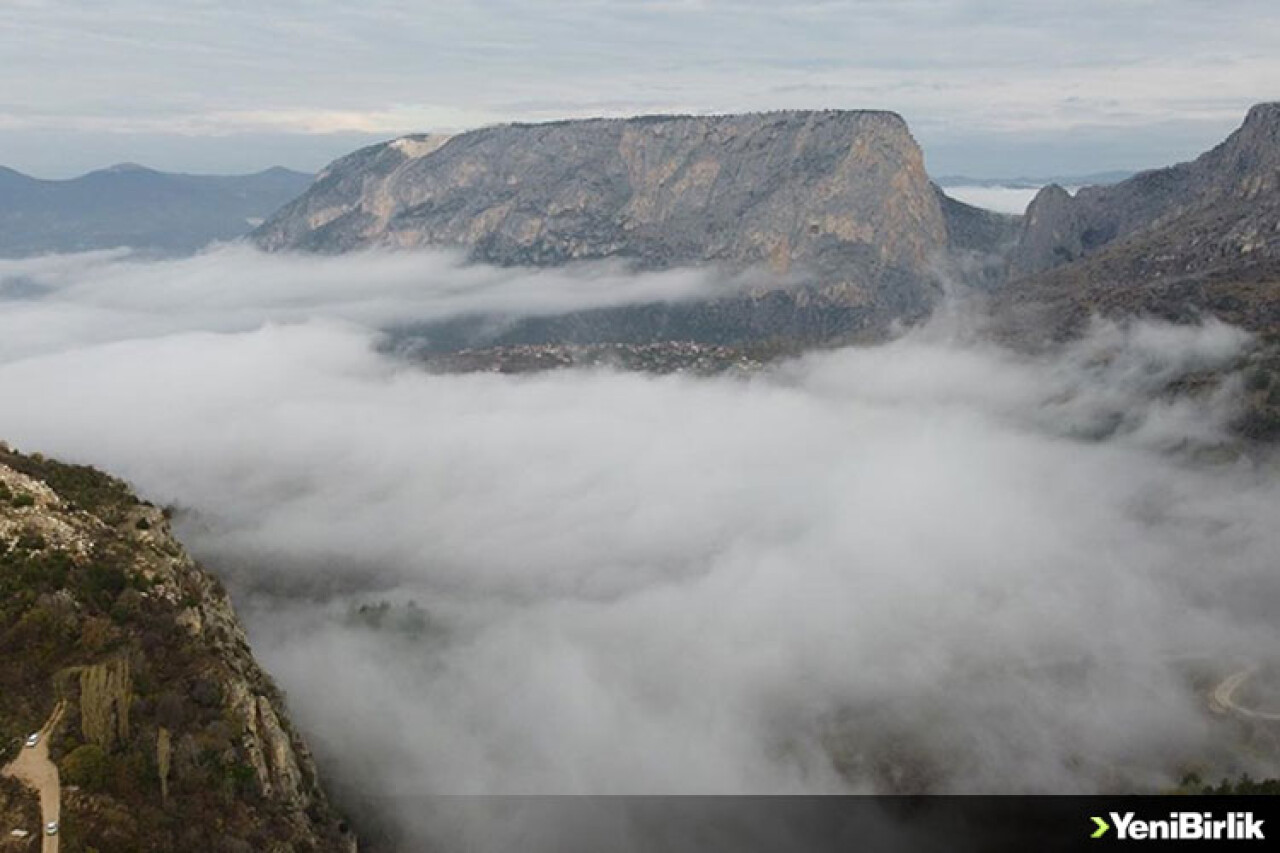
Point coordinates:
pixel 840 198
pixel 1177 243
pixel 1230 188
pixel 173 737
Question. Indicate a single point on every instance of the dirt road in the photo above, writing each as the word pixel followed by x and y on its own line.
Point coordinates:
pixel 33 768
pixel 1223 698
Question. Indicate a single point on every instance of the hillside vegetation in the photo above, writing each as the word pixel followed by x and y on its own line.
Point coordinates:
pixel 173 738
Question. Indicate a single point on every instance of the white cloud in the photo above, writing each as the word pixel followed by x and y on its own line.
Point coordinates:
pixel 953 68
pixel 97 297
pixel 1001 199
pixel 932 563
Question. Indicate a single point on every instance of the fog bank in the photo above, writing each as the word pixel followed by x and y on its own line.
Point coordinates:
pixel 930 565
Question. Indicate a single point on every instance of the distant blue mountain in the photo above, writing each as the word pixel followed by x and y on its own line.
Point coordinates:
pixel 130 205
pixel 1090 180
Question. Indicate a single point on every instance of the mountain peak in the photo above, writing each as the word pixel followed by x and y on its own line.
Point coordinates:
pixel 125 168
pixel 1266 114
pixel 1260 132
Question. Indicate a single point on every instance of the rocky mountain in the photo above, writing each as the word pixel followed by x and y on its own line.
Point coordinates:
pixel 129 205
pixel 838 202
pixel 167 735
pixel 1227 195
pixel 1195 238
pixel 836 199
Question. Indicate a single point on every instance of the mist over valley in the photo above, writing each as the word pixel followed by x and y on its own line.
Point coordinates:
pixel 638 427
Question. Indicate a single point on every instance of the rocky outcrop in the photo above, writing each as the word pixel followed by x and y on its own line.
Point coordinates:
pixel 174 737
pixel 839 197
pixel 106 692
pixel 836 204
pixel 1200 239
pixel 1179 243
pixel 1229 187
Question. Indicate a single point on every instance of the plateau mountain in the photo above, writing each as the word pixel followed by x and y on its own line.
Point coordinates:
pixel 837 202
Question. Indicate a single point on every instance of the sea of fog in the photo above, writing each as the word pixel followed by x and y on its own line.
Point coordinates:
pixel 1002 199
pixel 929 565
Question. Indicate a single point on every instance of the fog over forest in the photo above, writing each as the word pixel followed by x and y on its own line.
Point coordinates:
pixel 931 565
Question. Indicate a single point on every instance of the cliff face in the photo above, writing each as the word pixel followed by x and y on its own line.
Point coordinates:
pixel 173 738
pixel 1177 243
pixel 841 195
pixel 1229 190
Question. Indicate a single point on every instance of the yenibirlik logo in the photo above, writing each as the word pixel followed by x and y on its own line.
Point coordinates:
pixel 1183 826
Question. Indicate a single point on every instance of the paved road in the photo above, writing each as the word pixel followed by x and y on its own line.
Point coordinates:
pixel 1223 698
pixel 33 768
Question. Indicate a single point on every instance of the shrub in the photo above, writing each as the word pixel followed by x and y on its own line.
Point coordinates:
pixel 86 766
pixel 102 583
pixel 1244 786
pixel 30 540
pixel 1257 379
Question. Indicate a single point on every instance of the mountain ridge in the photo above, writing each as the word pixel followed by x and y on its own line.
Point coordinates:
pixel 137 207
pixel 1060 228
pixel 173 737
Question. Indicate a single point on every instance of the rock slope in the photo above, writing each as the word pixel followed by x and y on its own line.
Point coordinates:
pixel 837 198
pixel 1180 244
pixel 1225 199
pixel 1177 243
pixel 173 738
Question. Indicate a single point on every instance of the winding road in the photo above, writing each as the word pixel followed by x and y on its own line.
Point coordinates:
pixel 33 768
pixel 1223 698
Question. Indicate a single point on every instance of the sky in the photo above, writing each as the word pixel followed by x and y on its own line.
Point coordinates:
pixel 990 89
pixel 932 565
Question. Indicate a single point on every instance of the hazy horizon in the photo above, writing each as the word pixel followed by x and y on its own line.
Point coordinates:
pixel 990 90
pixel 310 154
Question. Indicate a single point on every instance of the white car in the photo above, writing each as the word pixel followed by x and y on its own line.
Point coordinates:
pixel 32 740
pixel 51 828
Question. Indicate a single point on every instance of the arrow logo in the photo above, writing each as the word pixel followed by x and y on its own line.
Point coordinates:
pixel 1103 826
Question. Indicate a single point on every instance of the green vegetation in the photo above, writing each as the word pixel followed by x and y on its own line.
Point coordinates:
pixel 1260 419
pixel 1192 783
pixel 147 734
pixel 81 486
pixel 87 766
pixel 1244 785
pixel 1257 379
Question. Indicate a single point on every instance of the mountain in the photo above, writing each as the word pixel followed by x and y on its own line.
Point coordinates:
pixel 838 201
pixel 1227 195
pixel 833 198
pixel 166 733
pixel 129 205
pixel 1193 240
pixel 1198 237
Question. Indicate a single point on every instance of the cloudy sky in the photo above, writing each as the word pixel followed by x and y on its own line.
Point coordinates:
pixel 989 88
